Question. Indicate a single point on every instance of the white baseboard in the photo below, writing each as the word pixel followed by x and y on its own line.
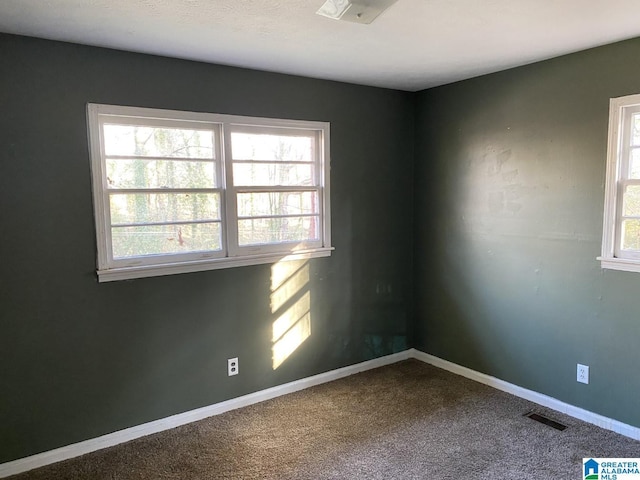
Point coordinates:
pixel 115 438
pixel 70 451
pixel 539 398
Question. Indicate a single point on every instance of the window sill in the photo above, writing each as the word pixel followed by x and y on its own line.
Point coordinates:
pixel 129 273
pixel 624 264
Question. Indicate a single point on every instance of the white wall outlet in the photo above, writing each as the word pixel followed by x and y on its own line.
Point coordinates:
pixel 583 373
pixel 232 366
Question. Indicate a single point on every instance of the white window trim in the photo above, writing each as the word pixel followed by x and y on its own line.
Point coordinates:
pixel 616 156
pixel 232 255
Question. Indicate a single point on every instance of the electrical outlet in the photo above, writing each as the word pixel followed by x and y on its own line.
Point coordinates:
pixel 583 373
pixel 232 366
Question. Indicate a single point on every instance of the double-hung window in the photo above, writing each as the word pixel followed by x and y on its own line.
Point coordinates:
pixel 621 230
pixel 178 192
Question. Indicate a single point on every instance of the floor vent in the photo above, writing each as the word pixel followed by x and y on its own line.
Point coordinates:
pixel 546 421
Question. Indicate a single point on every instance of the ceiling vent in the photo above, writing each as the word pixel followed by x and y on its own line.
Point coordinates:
pixel 360 11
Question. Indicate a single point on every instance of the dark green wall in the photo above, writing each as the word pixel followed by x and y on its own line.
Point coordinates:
pixel 80 359
pixel 509 185
pixel 505 188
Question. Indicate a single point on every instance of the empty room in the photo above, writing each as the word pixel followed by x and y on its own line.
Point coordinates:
pixel 387 239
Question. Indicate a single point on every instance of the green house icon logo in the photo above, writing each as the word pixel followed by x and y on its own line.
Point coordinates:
pixel 591 468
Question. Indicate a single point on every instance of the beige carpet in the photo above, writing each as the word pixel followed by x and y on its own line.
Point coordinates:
pixel 404 421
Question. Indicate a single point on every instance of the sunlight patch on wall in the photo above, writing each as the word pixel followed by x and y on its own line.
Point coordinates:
pixel 291 307
pixel 287 287
pixel 290 341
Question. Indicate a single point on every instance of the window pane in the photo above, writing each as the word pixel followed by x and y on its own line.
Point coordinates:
pixel 277 230
pixel 635 127
pixel 163 207
pixel 634 163
pixel 277 203
pixel 631 202
pixel 267 174
pixel 631 234
pixel 250 146
pixel 153 240
pixel 158 141
pixel 141 173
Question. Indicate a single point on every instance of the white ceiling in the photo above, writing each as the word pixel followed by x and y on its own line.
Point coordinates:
pixel 414 45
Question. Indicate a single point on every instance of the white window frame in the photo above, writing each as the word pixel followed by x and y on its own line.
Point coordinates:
pixel 621 110
pixel 232 254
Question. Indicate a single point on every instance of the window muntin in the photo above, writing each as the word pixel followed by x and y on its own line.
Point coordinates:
pixel 207 191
